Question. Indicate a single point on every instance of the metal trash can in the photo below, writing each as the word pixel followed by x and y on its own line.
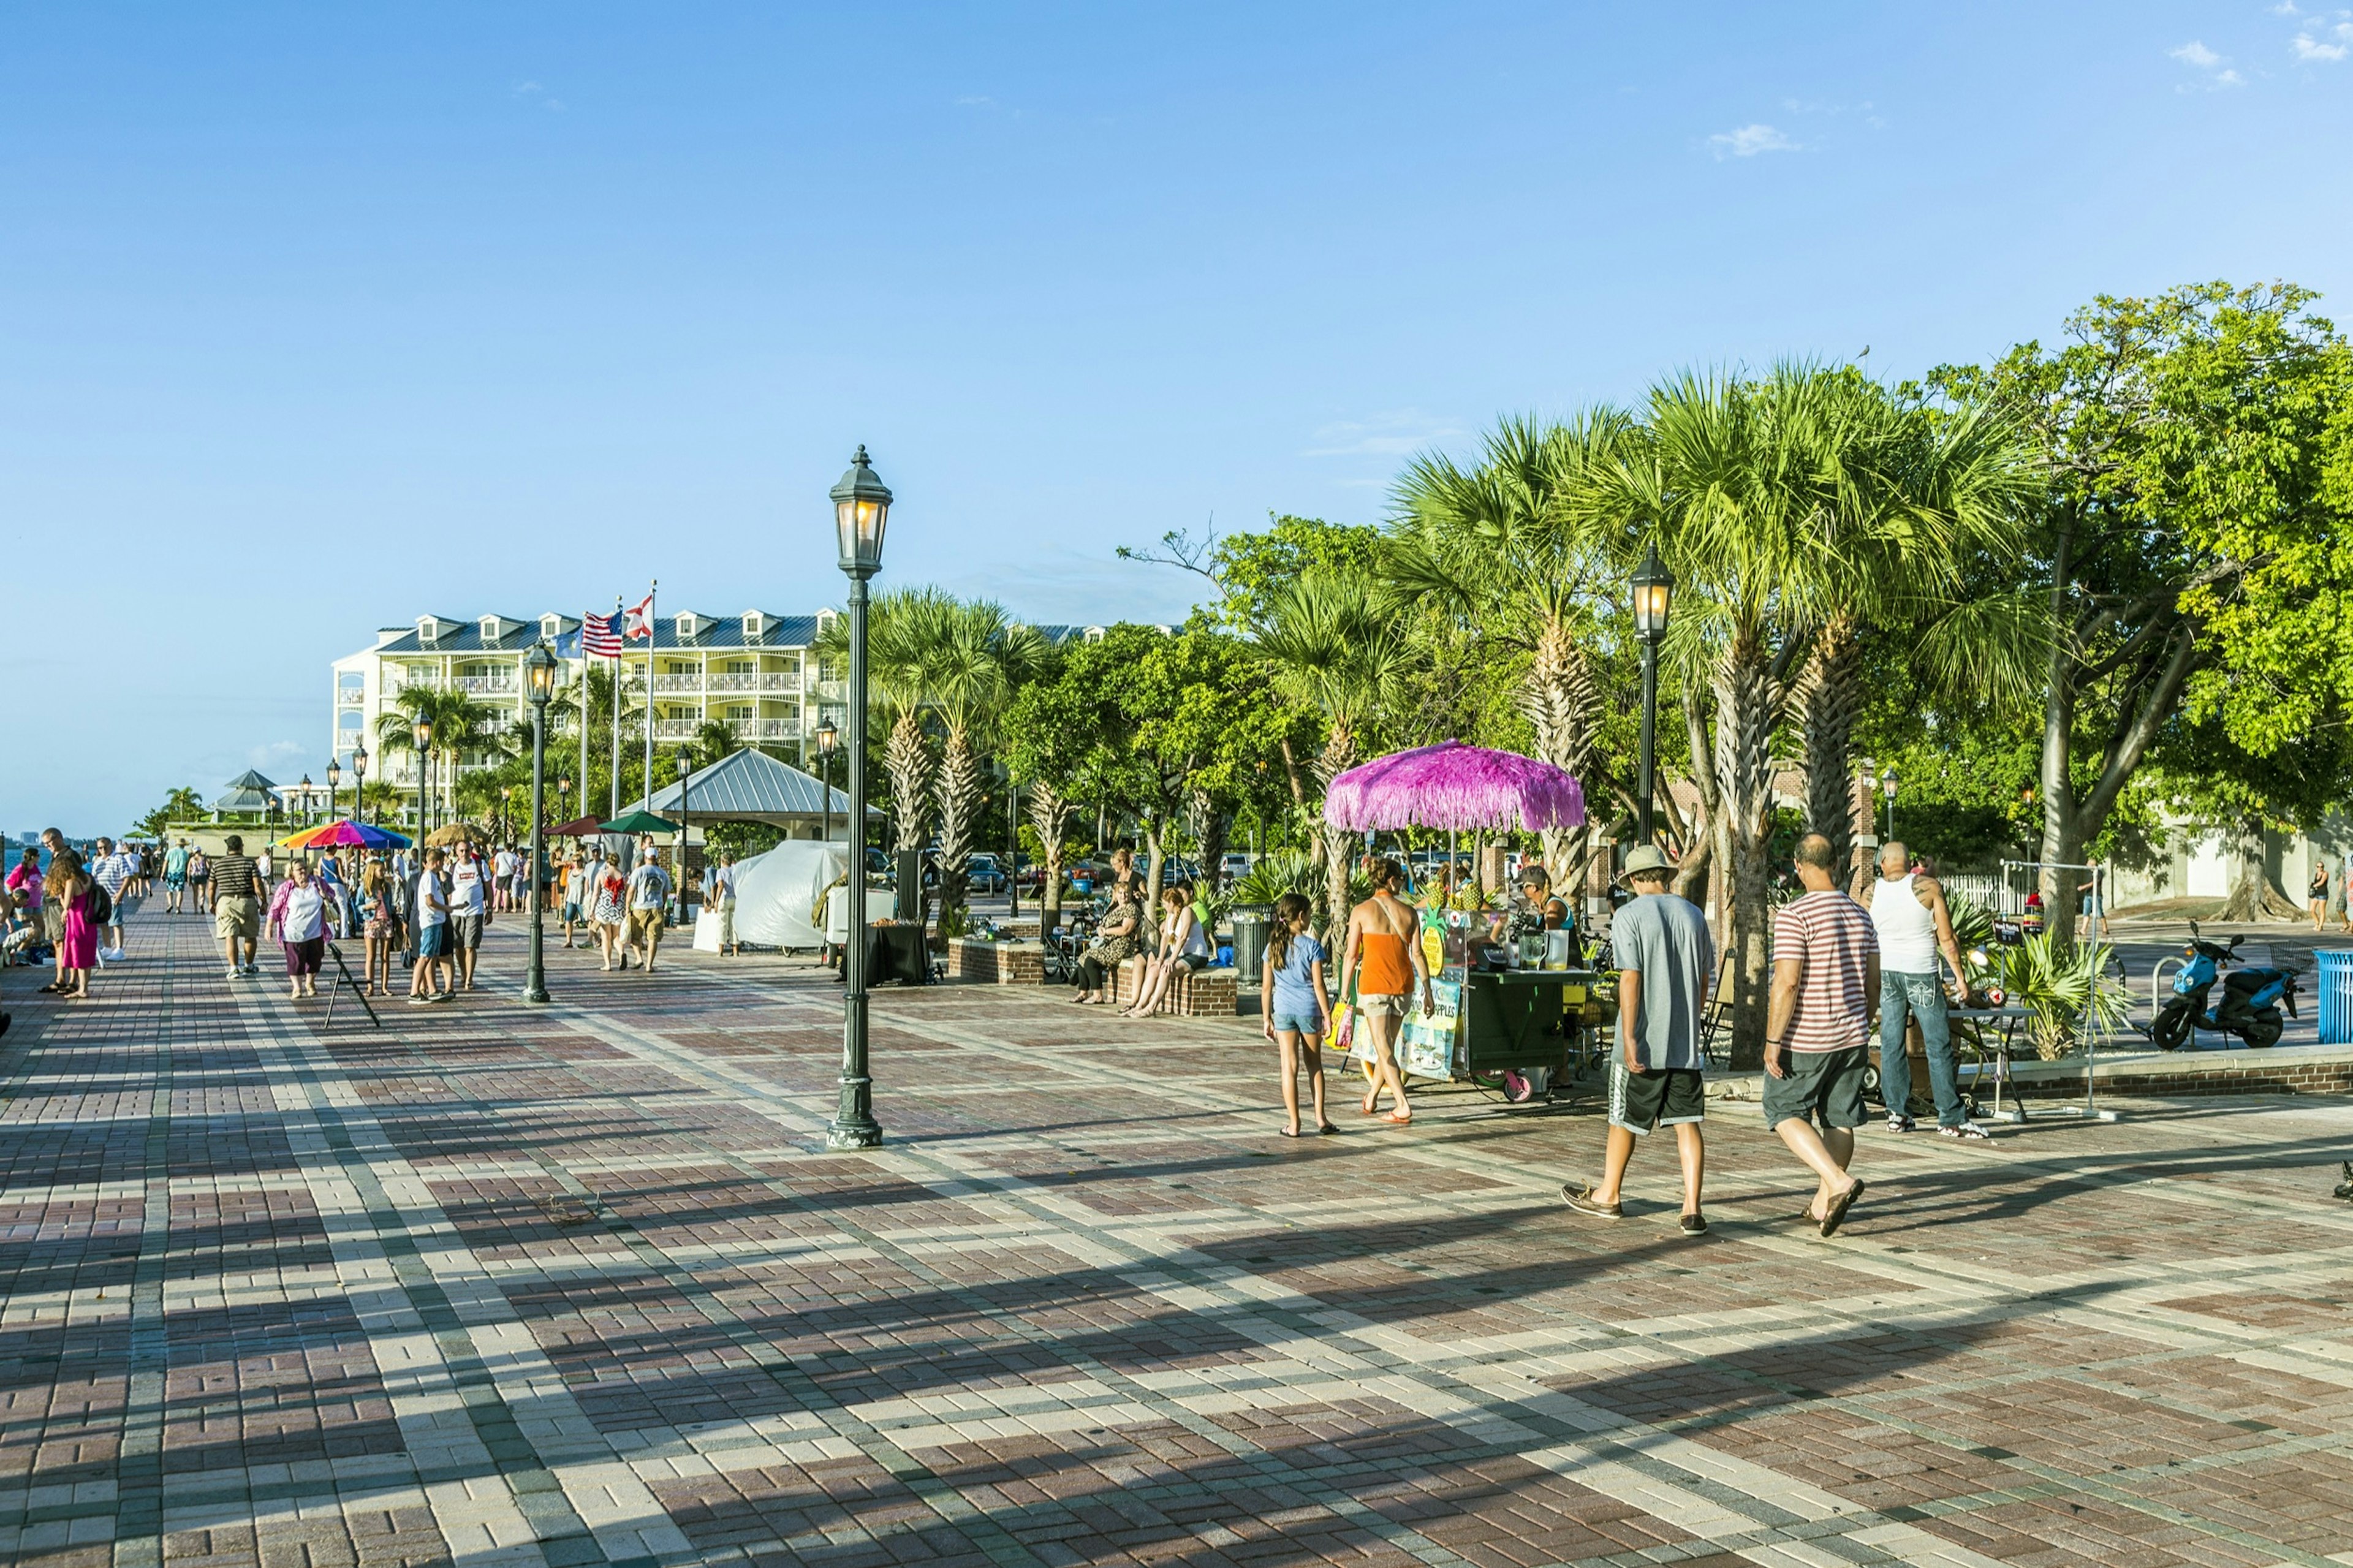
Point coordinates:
pixel 1252 925
pixel 2333 979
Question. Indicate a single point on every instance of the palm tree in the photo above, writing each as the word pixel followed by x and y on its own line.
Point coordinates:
pixel 899 633
pixel 1331 645
pixel 1914 496
pixel 713 738
pixel 1510 543
pixel 1741 481
pixel 974 661
pixel 460 723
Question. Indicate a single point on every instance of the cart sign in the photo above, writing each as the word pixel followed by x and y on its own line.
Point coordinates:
pixel 1426 1045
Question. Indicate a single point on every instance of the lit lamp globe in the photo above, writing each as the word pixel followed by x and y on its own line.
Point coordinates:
pixel 861 509
pixel 1654 588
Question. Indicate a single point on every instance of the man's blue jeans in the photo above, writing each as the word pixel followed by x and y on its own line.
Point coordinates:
pixel 1902 996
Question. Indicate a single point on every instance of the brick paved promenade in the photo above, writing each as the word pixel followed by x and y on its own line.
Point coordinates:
pixel 580 1286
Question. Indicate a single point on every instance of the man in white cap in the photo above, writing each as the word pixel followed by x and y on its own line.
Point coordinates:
pixel 1665 958
pixel 649 903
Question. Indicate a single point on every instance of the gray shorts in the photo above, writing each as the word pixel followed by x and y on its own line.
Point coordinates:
pixel 1824 1084
pixel 465 931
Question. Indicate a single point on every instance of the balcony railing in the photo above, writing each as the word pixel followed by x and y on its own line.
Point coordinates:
pixel 675 729
pixel 777 682
pixel 831 690
pixel 486 685
pixel 689 682
pixel 766 729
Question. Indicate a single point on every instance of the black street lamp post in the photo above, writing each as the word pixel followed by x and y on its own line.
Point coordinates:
pixel 1887 788
pixel 359 783
pixel 827 737
pixel 310 804
pixel 421 732
pixel 862 507
pixel 1654 587
pixel 685 800
pixel 334 777
pixel 538 676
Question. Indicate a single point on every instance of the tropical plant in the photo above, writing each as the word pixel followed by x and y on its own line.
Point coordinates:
pixel 901 629
pixel 1277 872
pixel 1330 643
pixel 973 659
pixel 713 738
pixel 2066 990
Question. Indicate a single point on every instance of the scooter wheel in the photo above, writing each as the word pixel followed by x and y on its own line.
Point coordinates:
pixel 2171 1031
pixel 2264 1031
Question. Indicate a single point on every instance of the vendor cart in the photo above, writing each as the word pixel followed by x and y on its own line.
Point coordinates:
pixel 1494 1023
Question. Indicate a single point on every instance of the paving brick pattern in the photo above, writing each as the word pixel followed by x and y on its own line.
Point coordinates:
pixel 581 1285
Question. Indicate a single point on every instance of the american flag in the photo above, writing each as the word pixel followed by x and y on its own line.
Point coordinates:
pixel 600 636
pixel 640 622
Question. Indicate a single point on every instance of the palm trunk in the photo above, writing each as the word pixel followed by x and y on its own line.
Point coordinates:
pixel 1561 701
pixel 961 788
pixel 908 759
pixel 1745 703
pixel 1338 753
pixel 1049 818
pixel 1832 700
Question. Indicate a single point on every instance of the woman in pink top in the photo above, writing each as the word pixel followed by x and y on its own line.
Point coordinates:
pixel 78 949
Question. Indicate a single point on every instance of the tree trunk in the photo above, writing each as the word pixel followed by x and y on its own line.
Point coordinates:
pixel 1049 818
pixel 1561 701
pixel 908 759
pixel 1339 751
pixel 1746 704
pixel 2254 895
pixel 1830 697
pixel 961 790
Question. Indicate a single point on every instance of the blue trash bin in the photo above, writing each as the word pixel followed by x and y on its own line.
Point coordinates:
pixel 2333 979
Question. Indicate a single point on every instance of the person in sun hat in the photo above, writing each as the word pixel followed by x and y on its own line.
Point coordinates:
pixel 1666 958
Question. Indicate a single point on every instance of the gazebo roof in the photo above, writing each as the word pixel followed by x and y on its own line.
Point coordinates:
pixel 749 785
pixel 250 779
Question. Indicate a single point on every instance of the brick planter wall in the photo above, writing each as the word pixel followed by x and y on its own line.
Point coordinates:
pixel 997 963
pixel 1211 994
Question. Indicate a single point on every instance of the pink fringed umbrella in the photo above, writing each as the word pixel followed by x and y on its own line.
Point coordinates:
pixel 1454 786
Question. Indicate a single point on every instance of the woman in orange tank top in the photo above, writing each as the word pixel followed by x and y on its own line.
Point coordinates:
pixel 1384 958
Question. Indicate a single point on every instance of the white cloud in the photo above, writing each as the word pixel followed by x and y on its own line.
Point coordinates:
pixel 2285 8
pixel 976 100
pixel 2196 54
pixel 1383 436
pixel 2309 48
pixel 1750 140
pixel 532 92
pixel 2219 75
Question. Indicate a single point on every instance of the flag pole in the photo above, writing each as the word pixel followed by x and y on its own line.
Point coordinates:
pixel 653 586
pixel 617 722
pixel 587 712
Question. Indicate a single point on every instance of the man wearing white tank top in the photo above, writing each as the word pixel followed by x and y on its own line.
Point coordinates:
pixel 1909 916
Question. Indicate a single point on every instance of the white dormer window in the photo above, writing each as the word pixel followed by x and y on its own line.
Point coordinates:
pixel 825 616
pixel 433 629
pixel 1094 634
pixel 691 625
pixel 756 625
pixel 551 627
pixel 495 628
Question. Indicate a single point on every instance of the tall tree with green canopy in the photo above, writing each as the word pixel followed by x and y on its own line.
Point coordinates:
pixel 2189 526
pixel 1054 747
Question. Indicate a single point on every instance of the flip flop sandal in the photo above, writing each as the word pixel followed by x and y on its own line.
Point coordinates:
pixel 1839 1206
pixel 1325 1129
pixel 1285 1132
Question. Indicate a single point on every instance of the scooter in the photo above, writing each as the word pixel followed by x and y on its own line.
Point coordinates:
pixel 2251 998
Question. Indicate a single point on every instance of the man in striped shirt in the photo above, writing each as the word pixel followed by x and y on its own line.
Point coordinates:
pixel 1825 990
pixel 113 871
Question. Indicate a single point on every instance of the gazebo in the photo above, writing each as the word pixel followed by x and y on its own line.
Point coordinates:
pixel 752 786
pixel 249 794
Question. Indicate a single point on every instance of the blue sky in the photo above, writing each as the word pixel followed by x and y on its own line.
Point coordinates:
pixel 314 318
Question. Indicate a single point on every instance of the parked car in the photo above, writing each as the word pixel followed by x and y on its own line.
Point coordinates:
pixel 1236 865
pixel 983 873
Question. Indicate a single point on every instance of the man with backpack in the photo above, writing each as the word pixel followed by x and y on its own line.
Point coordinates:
pixel 115 872
pixel 175 876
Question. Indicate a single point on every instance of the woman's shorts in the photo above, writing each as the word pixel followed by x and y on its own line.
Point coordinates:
pixel 1195 961
pixel 305 957
pixel 1308 1023
pixel 1373 1005
pixel 571 914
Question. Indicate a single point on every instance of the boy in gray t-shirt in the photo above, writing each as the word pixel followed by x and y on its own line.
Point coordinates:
pixel 1665 957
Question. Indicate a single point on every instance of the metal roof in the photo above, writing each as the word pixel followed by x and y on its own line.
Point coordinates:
pixel 754 784
pixel 718 632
